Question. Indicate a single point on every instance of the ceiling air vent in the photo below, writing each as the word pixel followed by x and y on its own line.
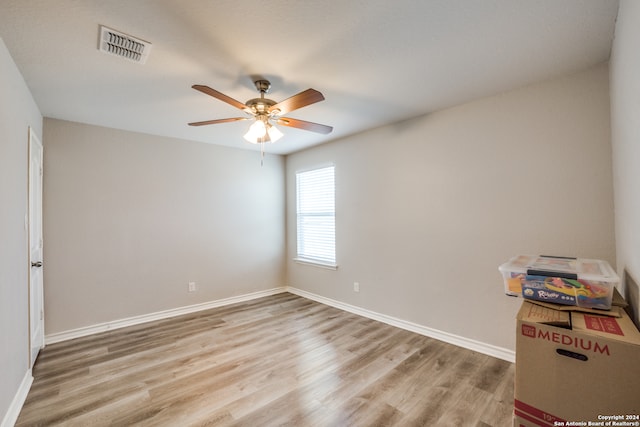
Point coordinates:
pixel 123 45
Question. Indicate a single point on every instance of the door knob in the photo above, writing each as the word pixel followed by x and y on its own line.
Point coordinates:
pixel 36 264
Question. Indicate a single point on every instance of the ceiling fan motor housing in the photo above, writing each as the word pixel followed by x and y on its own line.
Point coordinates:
pixel 260 105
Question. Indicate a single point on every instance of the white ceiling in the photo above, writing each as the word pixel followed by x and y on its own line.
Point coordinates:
pixel 375 61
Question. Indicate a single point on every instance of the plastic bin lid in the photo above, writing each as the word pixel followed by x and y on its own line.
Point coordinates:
pixel 588 269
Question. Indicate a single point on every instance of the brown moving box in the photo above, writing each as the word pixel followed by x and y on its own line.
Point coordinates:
pixel 576 369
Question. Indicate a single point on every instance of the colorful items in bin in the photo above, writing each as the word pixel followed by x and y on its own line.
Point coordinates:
pixel 559 290
pixel 582 282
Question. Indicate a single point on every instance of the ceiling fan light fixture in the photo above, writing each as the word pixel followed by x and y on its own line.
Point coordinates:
pixel 274 133
pixel 257 132
pixel 262 131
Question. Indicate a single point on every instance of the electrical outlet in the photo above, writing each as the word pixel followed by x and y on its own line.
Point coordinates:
pixel 356 287
pixel 192 287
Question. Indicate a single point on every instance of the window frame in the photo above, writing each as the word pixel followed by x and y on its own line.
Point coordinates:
pixel 305 258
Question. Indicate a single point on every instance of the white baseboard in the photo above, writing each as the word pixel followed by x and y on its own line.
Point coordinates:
pixel 159 315
pixel 491 350
pixel 13 412
pixel 480 347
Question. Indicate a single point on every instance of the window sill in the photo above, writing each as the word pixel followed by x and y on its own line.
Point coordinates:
pixel 316 263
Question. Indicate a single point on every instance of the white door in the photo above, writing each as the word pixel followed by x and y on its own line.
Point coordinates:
pixel 36 292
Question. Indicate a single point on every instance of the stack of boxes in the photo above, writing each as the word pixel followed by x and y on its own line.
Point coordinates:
pixel 577 350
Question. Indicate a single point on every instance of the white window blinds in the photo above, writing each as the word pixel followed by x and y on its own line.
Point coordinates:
pixel 315 190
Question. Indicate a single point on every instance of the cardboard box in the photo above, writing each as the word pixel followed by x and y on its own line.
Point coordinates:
pixel 575 369
pixel 582 282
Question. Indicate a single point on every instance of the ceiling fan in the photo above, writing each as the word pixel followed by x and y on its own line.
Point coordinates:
pixel 267 113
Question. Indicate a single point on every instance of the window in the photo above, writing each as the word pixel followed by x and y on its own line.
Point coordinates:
pixel 315 193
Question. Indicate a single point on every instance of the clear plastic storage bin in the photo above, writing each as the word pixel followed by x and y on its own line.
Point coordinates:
pixel 581 282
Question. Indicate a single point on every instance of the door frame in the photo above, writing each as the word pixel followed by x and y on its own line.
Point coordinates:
pixel 35 299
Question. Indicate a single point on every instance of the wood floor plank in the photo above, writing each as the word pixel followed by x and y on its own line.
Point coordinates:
pixel 281 360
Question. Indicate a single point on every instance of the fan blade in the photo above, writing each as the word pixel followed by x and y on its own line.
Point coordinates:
pixel 213 122
pixel 304 125
pixel 221 96
pixel 307 97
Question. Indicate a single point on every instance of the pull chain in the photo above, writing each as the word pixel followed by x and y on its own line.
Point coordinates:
pixel 262 154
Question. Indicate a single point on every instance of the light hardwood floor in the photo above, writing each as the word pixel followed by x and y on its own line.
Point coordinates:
pixel 281 360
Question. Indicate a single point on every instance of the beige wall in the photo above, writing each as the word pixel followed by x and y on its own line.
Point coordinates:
pixel 130 219
pixel 625 130
pixel 427 209
pixel 18 112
